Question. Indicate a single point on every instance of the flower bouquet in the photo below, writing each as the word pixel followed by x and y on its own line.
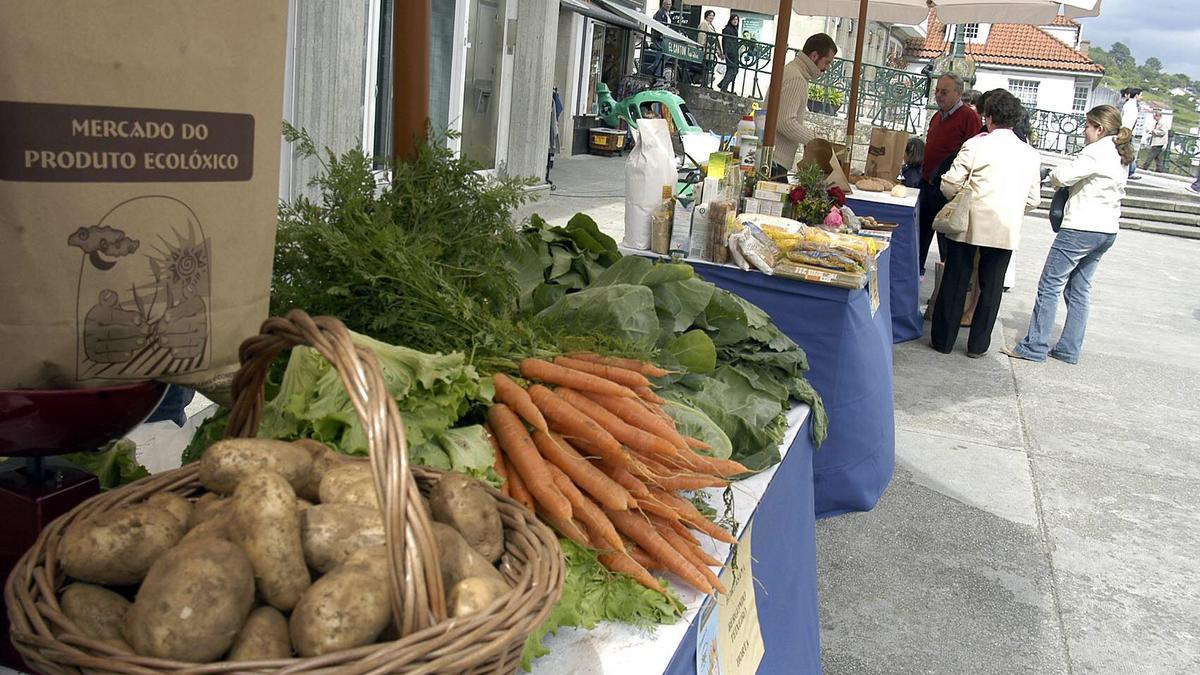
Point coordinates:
pixel 815 204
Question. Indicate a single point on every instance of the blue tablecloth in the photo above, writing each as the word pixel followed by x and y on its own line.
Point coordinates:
pixel 785 571
pixel 905 280
pixel 850 359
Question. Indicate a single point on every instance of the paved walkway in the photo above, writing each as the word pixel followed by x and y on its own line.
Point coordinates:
pixel 1043 516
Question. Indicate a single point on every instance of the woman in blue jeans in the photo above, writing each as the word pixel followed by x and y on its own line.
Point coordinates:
pixel 1096 178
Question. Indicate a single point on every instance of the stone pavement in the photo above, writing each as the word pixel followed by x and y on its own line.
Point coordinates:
pixel 1043 517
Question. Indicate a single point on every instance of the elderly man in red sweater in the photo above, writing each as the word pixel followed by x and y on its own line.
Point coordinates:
pixel 950 127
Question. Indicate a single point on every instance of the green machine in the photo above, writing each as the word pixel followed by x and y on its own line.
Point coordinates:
pixel 631 109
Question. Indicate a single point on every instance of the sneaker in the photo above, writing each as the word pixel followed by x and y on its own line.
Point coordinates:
pixel 1135 178
pixel 1194 187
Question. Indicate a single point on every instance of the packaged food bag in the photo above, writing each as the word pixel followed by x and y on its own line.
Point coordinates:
pixel 649 175
pixel 139 177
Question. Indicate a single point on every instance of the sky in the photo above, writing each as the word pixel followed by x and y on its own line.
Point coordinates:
pixel 1167 29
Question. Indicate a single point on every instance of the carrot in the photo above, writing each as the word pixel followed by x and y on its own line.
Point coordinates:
pixel 502 470
pixel 569 528
pixel 525 460
pixel 692 516
pixel 629 378
pixel 633 413
pixel 644 558
pixel 685 550
pixel 711 466
pixel 586 511
pixel 514 396
pixel 689 481
pixel 627 480
pixel 623 563
pixel 635 438
pixel 647 369
pixel 595 482
pixel 693 545
pixel 658 508
pixel 649 396
pixel 637 528
pixel 519 492
pixel 544 371
pixel 697 443
pixel 573 424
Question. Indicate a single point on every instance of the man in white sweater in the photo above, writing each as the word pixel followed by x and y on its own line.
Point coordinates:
pixel 790 132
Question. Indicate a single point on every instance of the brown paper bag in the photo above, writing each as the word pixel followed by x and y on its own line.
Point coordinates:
pixel 139 173
pixel 885 155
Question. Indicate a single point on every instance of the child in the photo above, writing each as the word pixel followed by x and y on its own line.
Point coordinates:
pixel 914 153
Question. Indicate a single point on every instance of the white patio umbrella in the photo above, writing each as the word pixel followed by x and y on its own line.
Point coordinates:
pixel 910 12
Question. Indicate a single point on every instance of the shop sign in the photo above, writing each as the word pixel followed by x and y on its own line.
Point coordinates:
pixel 683 52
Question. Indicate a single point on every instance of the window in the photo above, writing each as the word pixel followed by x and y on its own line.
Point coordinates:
pixel 970 31
pixel 1026 90
pixel 1082 93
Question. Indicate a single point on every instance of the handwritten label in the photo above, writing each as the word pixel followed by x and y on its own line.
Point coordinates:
pixel 46 142
pixel 729 637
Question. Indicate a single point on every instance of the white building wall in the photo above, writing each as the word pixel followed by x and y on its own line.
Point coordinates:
pixel 1056 92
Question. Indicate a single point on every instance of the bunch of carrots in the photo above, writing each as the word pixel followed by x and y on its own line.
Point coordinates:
pixel 595 455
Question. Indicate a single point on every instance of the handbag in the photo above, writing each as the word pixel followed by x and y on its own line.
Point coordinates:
pixel 1058 207
pixel 955 216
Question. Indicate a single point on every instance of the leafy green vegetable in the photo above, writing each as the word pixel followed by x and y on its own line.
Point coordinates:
pixel 750 417
pixel 621 311
pixel 432 391
pixel 678 303
pixel 628 270
pixel 692 422
pixel 115 464
pixel 695 351
pixel 592 594
pixel 548 262
pixel 413 262
pixel 210 431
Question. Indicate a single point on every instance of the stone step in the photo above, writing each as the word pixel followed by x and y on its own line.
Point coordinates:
pixel 1173 229
pixel 1155 215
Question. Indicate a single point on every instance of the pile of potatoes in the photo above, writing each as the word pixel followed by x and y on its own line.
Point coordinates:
pixel 283 556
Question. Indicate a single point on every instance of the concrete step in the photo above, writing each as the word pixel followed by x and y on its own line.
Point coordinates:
pixel 1173 229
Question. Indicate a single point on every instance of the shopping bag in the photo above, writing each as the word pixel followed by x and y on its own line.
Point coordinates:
pixel 885 155
pixel 649 181
pixel 139 173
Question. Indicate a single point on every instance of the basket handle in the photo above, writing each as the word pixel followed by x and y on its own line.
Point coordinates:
pixel 417 595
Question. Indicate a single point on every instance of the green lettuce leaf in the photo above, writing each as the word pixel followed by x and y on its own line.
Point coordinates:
pixel 592 594
pixel 695 351
pixel 115 464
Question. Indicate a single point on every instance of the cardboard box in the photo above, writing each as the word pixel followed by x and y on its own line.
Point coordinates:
pixel 768 196
pixel 771 186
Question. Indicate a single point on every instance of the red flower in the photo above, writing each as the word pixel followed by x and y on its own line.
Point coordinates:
pixel 797 195
pixel 838 195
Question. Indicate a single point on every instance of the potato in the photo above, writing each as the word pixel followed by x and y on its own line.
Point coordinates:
pixel 193 602
pixel 462 503
pixel 213 528
pixel 117 547
pixel 349 607
pixel 324 459
pixel 263 638
pixel 473 594
pixel 264 521
pixel 173 504
pixel 360 493
pixel 330 533
pixel 98 612
pixel 207 506
pixel 303 505
pixel 225 462
pixel 341 477
pixel 459 561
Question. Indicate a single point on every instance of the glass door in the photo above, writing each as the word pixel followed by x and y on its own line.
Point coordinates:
pixel 482 85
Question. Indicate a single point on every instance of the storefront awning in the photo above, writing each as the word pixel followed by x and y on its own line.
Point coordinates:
pixel 649 23
pixel 591 10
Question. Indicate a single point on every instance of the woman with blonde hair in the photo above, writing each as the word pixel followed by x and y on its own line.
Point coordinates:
pixel 1096 178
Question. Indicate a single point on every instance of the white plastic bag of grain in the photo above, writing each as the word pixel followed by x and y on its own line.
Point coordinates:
pixel 649 175
pixel 139 178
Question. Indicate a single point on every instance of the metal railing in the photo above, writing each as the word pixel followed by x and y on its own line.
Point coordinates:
pixel 1182 154
pixel 1056 131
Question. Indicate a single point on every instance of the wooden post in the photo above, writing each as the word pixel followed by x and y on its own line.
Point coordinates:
pixel 411 26
pixel 854 78
pixel 783 25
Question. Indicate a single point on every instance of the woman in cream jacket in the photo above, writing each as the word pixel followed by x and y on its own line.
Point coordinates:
pixel 1002 174
pixel 1096 178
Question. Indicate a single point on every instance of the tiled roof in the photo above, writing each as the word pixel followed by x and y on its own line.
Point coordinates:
pixel 1064 20
pixel 1009 44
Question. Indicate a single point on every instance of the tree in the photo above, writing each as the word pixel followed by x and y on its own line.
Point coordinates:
pixel 1121 55
pixel 1153 65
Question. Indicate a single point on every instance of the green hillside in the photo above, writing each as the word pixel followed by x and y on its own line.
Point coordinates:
pixel 1122 70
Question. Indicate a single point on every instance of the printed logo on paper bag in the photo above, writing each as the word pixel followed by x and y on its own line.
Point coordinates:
pixel 52 143
pixel 151 317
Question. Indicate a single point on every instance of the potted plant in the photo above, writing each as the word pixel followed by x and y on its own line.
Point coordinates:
pixel 824 100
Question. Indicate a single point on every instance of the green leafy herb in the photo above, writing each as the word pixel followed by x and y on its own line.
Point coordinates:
pixel 115 464
pixel 697 499
pixel 210 431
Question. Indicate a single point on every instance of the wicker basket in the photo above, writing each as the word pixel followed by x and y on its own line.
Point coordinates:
pixel 489 641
